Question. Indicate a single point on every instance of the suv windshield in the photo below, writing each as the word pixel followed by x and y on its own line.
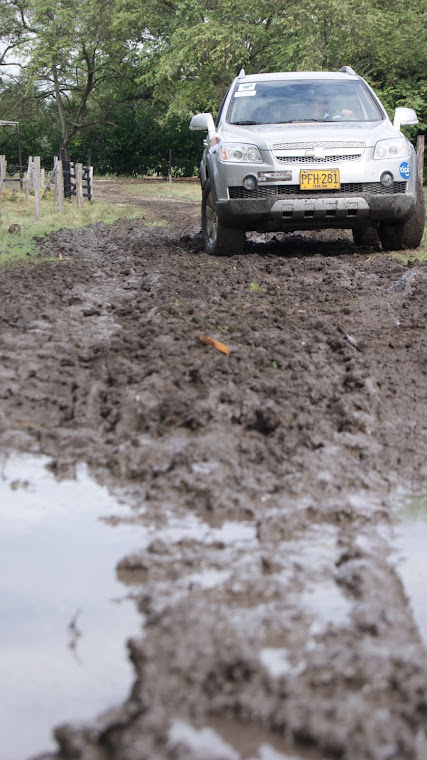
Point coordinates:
pixel 281 102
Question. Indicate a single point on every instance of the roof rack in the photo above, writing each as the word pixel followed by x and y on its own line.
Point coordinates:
pixel 241 74
pixel 347 70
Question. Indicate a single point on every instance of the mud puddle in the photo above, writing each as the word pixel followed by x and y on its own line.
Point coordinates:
pixel 229 740
pixel 259 545
pixel 410 543
pixel 60 594
pixel 65 618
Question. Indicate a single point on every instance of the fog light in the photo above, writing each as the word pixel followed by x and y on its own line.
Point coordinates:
pixel 250 182
pixel 386 179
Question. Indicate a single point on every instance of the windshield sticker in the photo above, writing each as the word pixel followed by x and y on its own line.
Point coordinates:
pixel 245 90
pixel 405 170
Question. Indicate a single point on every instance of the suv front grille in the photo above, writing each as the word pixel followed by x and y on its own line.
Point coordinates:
pixel 318 144
pixel 313 160
pixel 347 188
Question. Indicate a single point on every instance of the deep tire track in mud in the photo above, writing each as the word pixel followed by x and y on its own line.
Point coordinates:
pixel 298 629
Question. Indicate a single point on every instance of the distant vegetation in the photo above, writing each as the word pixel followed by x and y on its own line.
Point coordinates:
pixel 123 78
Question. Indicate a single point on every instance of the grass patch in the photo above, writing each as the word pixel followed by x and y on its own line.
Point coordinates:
pixel 18 212
pixel 418 254
pixel 184 191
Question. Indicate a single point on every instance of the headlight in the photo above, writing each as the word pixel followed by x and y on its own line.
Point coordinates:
pixel 240 153
pixel 395 148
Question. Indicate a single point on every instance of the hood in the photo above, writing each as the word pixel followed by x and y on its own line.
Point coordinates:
pixel 266 135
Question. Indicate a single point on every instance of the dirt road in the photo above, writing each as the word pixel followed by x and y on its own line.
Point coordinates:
pixel 288 635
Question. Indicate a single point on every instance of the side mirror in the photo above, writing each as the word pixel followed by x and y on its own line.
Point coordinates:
pixel 404 117
pixel 203 122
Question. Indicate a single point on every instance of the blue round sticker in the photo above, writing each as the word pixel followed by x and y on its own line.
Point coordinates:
pixel 405 170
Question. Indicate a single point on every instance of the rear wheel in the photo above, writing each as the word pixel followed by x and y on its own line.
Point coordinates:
pixel 409 234
pixel 218 240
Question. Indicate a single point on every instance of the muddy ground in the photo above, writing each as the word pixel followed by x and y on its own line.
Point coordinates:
pixel 290 633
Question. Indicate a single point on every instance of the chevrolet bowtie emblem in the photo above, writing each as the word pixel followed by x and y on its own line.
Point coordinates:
pixel 315 153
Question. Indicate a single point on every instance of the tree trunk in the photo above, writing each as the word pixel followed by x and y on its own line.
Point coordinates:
pixel 64 131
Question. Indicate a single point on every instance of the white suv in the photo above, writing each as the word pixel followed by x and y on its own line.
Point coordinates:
pixel 308 150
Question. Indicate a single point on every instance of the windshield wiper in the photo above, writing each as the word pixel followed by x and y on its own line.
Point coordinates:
pixel 304 121
pixel 246 123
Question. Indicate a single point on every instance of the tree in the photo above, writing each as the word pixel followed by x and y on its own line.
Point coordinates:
pixel 122 72
pixel 211 41
pixel 68 50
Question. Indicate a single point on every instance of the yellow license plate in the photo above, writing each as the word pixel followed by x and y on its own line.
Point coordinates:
pixel 320 180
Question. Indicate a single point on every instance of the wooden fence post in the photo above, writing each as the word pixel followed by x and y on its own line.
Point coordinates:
pixel 79 185
pixel 37 188
pixel 59 184
pixel 3 167
pixel 68 175
pixel 89 175
pixel 90 183
pixel 28 178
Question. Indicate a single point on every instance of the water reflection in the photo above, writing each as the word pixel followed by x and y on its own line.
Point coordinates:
pixel 411 542
pixel 414 508
pixel 64 618
pixel 227 739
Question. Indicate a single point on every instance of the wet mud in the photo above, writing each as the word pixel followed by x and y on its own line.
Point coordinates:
pixel 274 621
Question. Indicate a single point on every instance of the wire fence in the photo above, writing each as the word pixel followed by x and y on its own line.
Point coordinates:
pixel 66 179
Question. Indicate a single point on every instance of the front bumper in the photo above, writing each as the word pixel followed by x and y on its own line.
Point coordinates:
pixel 360 200
pixel 301 211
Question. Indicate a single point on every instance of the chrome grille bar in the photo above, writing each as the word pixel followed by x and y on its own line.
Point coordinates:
pixel 313 160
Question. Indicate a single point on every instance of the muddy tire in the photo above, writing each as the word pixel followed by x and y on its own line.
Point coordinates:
pixel 218 240
pixel 366 237
pixel 409 234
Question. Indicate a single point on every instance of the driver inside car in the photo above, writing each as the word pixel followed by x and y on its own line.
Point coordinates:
pixel 321 111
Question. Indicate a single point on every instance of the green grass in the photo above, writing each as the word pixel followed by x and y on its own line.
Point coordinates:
pixel 185 191
pixel 16 210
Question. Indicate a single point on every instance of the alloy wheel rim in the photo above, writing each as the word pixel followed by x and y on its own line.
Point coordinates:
pixel 211 221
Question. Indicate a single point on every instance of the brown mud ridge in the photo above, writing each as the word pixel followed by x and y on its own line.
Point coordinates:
pixel 289 635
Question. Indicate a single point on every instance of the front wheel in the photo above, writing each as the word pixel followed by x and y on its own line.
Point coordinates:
pixel 218 240
pixel 366 237
pixel 409 234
